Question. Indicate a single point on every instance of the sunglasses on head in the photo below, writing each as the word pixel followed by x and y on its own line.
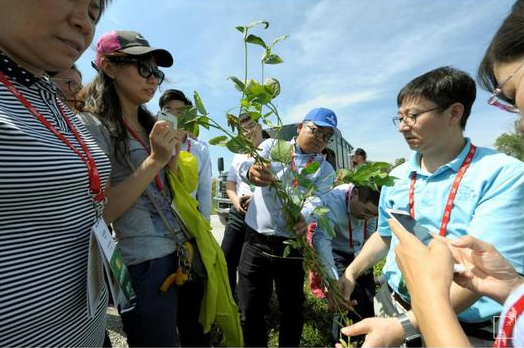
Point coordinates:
pixel 144 68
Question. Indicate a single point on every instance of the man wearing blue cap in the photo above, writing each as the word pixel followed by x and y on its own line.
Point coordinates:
pixel 262 260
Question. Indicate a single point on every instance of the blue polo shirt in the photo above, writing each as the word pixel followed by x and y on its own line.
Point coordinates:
pixel 339 217
pixel 489 205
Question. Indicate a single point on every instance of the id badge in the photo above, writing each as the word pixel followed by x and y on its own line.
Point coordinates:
pixel 119 277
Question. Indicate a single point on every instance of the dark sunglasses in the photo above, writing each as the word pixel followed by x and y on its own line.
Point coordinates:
pixel 145 69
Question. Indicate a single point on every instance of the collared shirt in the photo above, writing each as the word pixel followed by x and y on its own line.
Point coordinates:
pixel 242 188
pixel 340 216
pixel 488 205
pixel 264 214
pixel 203 192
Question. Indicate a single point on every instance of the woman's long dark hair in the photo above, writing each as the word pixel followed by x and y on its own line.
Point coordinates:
pixel 102 101
pixel 506 46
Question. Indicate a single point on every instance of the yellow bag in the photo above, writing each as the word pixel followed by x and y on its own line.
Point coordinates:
pixel 218 304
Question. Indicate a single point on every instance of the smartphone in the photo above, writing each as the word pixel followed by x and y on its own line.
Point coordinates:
pixel 411 225
pixel 421 232
pixel 169 117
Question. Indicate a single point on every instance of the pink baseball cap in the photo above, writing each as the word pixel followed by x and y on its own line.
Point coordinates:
pixel 131 43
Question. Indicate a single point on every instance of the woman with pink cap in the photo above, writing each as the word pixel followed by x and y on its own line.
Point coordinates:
pixel 140 148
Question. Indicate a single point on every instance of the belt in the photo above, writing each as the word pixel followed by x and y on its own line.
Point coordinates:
pixel 254 236
pixel 482 330
pixel 399 299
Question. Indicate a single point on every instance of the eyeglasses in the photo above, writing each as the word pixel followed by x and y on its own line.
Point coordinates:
pixel 248 126
pixel 319 134
pixel 496 100
pixel 145 70
pixel 72 85
pixel 411 119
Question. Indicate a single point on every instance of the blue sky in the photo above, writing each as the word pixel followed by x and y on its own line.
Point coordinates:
pixel 352 56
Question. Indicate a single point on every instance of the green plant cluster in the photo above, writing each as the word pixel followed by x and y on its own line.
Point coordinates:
pixel 257 100
pixel 373 175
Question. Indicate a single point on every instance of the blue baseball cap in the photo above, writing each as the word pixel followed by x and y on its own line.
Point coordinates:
pixel 322 117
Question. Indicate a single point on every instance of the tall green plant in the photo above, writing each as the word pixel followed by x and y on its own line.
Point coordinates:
pixel 257 100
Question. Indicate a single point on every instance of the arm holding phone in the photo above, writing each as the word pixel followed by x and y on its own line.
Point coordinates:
pixel 428 272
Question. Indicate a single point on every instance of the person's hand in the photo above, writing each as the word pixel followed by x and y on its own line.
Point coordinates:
pixel 239 207
pixel 428 271
pixel 346 284
pixel 380 332
pixel 487 271
pixel 260 175
pixel 244 202
pixel 163 140
pixel 300 227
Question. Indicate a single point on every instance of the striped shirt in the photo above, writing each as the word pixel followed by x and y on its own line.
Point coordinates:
pixel 46 215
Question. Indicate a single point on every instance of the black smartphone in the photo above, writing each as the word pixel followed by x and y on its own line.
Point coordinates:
pixel 411 225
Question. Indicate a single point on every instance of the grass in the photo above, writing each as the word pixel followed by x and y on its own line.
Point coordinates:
pixel 317 318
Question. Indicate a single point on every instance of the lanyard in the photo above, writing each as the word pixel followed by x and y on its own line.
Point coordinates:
pixel 509 323
pixel 95 186
pixel 188 145
pixel 137 138
pixel 293 168
pixel 452 193
pixel 350 228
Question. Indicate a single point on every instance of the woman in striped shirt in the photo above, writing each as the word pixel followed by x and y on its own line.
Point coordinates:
pixel 51 179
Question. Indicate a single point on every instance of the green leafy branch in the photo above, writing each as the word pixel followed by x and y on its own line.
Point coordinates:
pixel 257 101
pixel 374 175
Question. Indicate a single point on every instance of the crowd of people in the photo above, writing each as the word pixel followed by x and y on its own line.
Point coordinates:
pixel 102 201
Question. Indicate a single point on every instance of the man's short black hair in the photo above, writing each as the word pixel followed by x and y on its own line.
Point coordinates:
pixel 367 194
pixel 360 152
pixel 173 94
pixel 443 86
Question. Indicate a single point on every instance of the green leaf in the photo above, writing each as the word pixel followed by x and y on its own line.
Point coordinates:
pixel 199 104
pixel 241 29
pixel 303 181
pixel 255 115
pixel 324 224
pixel 245 103
pixel 256 93
pixel 320 211
pixel 255 23
pixel 272 86
pixel 278 39
pixel 239 85
pixel 253 39
pixel 267 53
pixel 287 251
pixel 221 140
pixel 270 124
pixel 272 59
pixel 232 121
pixel 281 151
pixel 310 168
pixel 294 209
pixel 236 145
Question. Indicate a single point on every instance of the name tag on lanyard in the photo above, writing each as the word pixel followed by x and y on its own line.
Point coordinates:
pixel 101 243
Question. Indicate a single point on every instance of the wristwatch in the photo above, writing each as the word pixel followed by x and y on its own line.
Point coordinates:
pixel 409 330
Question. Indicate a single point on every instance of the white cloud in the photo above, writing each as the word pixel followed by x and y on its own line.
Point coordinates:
pixel 336 102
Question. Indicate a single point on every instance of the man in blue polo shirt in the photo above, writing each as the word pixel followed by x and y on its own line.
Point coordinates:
pixel 452 188
pixel 262 261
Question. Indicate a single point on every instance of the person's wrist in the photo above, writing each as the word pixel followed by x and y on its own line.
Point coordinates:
pixel 410 333
pixel 351 273
pixel 153 162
